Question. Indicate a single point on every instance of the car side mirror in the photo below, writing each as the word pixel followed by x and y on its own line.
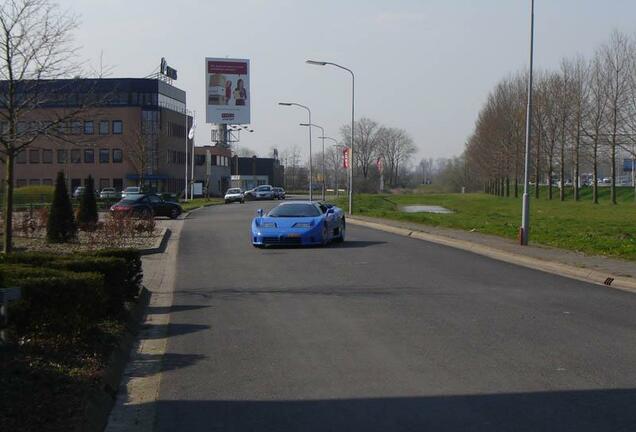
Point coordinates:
pixel 331 211
pixel 259 212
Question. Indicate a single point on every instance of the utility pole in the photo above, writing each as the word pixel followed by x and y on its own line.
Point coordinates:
pixel 525 209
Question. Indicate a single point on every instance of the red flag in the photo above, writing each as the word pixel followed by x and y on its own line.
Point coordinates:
pixel 345 157
pixel 379 164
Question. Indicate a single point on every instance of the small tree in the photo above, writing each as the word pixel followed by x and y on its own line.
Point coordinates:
pixel 61 224
pixel 87 215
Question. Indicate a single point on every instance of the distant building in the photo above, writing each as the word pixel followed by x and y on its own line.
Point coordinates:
pixel 249 172
pixel 212 168
pixel 136 133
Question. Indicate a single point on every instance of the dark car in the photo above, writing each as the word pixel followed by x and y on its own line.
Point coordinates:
pixel 146 205
pixel 279 193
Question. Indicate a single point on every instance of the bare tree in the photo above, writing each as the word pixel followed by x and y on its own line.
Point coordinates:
pixel 395 147
pixel 365 141
pixel 36 46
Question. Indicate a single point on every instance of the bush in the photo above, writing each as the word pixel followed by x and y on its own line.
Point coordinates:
pixel 113 271
pixel 55 301
pixel 87 215
pixel 134 270
pixel 61 224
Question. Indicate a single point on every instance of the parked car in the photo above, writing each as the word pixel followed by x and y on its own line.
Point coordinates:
pixel 130 190
pixel 109 193
pixel 265 192
pixel 279 193
pixel 146 205
pixel 79 191
pixel 234 195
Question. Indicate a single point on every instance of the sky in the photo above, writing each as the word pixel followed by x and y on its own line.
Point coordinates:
pixel 425 66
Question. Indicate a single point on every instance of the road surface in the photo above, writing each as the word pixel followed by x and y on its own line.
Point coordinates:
pixel 386 333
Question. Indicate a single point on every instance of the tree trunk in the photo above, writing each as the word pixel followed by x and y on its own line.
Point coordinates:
pixel 562 173
pixel 7 205
pixel 613 173
pixel 537 172
pixel 516 187
pixel 550 170
pixel 577 174
pixel 507 186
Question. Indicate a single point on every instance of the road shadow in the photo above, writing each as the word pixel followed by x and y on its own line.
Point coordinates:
pixel 350 244
pixel 149 364
pixel 160 331
pixel 174 308
pixel 562 411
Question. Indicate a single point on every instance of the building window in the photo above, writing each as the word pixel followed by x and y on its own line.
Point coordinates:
pixel 104 183
pixel 118 156
pixel 34 156
pixel 47 182
pixel 21 157
pixel 61 156
pixel 104 155
pixel 89 127
pixel 104 127
pixel 47 156
pixel 118 127
pixel 76 127
pixel 20 183
pixel 89 156
pixel 199 160
pixel 118 184
pixel 76 156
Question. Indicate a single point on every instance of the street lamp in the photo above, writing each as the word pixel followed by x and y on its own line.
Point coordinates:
pixel 323 154
pixel 525 206
pixel 353 93
pixel 311 186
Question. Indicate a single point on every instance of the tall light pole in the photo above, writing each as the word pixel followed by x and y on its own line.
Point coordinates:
pixel 310 125
pixel 525 209
pixel 353 106
pixel 311 185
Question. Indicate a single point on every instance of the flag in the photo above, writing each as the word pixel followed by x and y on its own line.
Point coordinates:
pixel 191 133
pixel 345 157
pixel 379 164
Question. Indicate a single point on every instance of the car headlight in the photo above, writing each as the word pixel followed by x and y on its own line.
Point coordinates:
pixel 268 225
pixel 302 225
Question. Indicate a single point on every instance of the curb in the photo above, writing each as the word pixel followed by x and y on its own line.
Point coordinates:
pixel 102 399
pixel 585 275
pixel 160 244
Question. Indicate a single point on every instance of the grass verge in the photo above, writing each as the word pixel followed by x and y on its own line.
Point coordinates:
pixel 597 229
pixel 200 202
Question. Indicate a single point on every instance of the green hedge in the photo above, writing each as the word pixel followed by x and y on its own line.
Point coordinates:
pixel 134 270
pixel 55 301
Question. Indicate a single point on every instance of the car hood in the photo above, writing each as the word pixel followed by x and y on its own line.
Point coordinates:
pixel 288 222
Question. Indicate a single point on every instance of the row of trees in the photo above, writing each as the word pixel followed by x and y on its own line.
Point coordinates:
pixel 584 118
pixel 373 142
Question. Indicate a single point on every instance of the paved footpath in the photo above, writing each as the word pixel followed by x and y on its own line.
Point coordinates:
pixel 383 333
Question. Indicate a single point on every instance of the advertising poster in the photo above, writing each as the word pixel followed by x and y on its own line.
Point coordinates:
pixel 227 86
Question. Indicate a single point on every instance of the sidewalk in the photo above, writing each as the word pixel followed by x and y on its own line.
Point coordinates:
pixel 596 269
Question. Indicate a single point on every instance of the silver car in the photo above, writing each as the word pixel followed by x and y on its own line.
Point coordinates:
pixel 109 193
pixel 265 192
pixel 234 195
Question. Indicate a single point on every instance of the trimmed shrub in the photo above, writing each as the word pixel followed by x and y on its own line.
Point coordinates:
pixel 61 226
pixel 113 271
pixel 56 302
pixel 87 215
pixel 134 271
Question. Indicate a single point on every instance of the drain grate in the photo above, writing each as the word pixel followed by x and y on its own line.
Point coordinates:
pixel 609 281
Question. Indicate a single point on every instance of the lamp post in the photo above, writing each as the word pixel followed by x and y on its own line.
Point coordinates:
pixel 525 207
pixel 323 153
pixel 311 186
pixel 353 105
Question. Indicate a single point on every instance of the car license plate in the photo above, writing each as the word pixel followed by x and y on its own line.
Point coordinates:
pixel 294 235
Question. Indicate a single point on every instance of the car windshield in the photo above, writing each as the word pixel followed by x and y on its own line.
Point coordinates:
pixel 233 191
pixel 294 210
pixel 132 198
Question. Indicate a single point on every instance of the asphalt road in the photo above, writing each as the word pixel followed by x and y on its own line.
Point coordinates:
pixel 386 333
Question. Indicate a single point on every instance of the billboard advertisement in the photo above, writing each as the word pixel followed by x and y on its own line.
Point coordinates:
pixel 227 91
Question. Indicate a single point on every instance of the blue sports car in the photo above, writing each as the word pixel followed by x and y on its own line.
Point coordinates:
pixel 298 223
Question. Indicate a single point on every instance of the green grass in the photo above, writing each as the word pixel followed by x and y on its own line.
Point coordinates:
pixel 601 229
pixel 200 202
pixel 33 195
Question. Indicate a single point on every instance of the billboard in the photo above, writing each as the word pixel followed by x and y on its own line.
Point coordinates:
pixel 227 91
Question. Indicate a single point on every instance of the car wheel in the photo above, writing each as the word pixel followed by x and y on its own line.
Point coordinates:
pixel 341 232
pixel 325 235
pixel 174 213
pixel 242 201
pixel 227 201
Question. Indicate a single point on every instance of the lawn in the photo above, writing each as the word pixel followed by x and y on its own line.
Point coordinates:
pixel 601 229
pixel 200 202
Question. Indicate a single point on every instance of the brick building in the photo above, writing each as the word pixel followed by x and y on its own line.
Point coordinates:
pixel 135 133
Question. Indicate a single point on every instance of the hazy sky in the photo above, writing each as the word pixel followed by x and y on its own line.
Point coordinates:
pixel 422 65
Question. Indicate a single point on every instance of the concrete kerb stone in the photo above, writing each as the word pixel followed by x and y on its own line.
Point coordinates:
pixel 585 275
pixel 160 243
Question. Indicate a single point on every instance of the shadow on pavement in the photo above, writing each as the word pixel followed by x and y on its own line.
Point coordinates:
pixel 155 331
pixel 563 411
pixel 174 308
pixel 150 364
pixel 357 244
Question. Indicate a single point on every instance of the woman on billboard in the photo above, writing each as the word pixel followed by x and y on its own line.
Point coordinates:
pixel 240 94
